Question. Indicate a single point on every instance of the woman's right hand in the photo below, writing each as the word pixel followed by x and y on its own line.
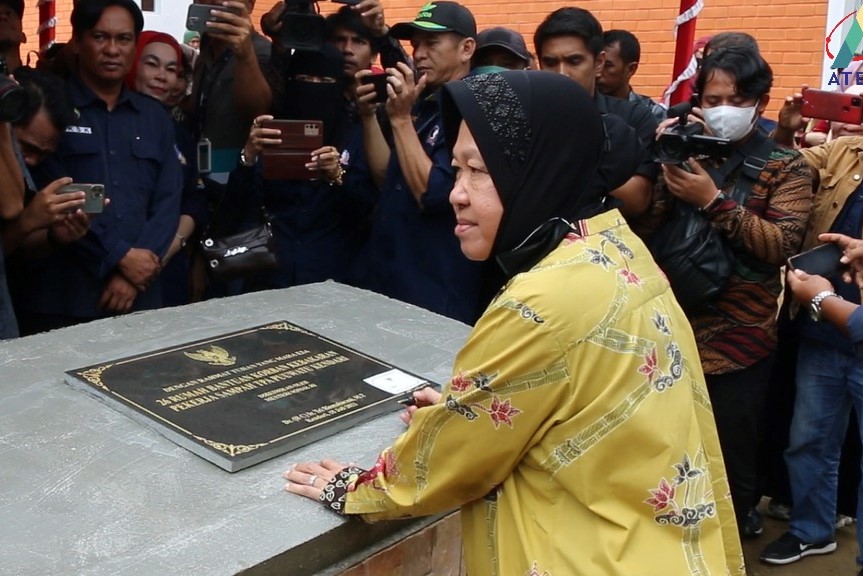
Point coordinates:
pixel 423 397
pixel 260 137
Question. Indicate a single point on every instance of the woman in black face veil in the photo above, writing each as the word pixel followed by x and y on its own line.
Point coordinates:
pixel 575 433
pixel 319 224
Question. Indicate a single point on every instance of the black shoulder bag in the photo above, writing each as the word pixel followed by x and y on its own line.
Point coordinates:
pixel 696 258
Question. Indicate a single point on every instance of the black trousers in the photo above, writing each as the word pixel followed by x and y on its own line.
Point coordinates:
pixel 737 399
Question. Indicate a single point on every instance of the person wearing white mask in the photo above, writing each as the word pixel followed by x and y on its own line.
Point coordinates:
pixel 758 200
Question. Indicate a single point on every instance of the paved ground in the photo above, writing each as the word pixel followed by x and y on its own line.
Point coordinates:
pixel 839 563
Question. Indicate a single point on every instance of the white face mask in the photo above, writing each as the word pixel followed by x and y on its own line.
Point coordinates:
pixel 730 121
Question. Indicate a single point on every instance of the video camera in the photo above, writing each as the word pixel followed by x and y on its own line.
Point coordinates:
pixel 687 140
pixel 303 28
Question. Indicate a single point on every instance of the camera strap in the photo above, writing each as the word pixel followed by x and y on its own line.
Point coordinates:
pixel 752 155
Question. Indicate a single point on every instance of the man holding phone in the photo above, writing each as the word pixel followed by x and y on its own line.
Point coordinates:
pixel 829 373
pixel 819 295
pixel 412 254
pixel 230 86
pixel 125 142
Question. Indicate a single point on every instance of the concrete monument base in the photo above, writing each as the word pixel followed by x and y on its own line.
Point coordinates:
pixel 86 490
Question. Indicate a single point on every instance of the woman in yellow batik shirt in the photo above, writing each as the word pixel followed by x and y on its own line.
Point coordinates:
pixel 576 433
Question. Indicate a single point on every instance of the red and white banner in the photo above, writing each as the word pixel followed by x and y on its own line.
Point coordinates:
pixel 47 24
pixel 685 65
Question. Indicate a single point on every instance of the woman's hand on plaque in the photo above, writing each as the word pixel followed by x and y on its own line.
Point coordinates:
pixel 309 478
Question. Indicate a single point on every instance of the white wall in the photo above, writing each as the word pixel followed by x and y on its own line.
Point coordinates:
pixel 168 16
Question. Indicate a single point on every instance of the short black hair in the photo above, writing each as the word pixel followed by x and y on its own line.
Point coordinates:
pixel 87 14
pixel 630 49
pixel 728 39
pixel 350 20
pixel 570 21
pixel 753 76
pixel 46 91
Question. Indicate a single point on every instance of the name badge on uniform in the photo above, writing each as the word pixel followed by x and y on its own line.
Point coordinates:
pixel 205 156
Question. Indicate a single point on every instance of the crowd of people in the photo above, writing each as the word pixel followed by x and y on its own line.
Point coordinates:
pixel 457 185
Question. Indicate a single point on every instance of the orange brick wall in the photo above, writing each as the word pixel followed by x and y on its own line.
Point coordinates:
pixel 791 33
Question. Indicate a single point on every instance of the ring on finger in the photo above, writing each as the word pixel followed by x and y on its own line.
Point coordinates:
pixel 312 479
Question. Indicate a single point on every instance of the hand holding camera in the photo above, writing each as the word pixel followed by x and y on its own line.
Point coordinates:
pixel 372 12
pixel 230 24
pixel 259 138
pixel 403 91
pixel 682 136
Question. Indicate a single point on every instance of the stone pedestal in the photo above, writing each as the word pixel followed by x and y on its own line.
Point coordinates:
pixel 86 490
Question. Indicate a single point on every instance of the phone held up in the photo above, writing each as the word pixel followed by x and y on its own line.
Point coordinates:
pixel 833 106
pixel 822 260
pixel 199 14
pixel 380 82
pixel 94 196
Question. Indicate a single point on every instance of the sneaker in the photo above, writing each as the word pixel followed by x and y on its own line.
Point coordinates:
pixel 789 548
pixel 778 511
pixel 842 520
pixel 754 524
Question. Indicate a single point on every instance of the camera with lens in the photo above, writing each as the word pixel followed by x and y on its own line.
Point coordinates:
pixel 14 99
pixel 303 28
pixel 687 140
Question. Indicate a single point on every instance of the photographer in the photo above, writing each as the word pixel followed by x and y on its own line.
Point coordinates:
pixel 757 200
pixel 124 143
pixel 318 223
pixel 829 376
pixel 48 217
pixel 231 83
pixel 412 254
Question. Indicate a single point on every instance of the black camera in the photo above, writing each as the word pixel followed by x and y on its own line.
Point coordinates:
pixel 303 28
pixel 687 140
pixel 14 100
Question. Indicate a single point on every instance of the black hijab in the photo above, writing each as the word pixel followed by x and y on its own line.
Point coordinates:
pixel 541 137
pixel 313 100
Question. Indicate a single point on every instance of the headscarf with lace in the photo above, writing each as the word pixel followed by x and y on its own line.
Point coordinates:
pixel 540 136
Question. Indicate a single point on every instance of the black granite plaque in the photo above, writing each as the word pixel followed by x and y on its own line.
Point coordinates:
pixel 248 396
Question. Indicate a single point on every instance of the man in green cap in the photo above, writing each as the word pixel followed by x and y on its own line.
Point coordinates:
pixel 412 254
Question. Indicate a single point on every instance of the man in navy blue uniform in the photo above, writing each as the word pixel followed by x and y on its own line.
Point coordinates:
pixel 413 254
pixel 124 141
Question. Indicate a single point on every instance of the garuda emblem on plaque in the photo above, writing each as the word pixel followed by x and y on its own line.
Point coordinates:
pixel 214 356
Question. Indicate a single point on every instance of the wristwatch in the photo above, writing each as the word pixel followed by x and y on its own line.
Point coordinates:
pixel 243 159
pixel 815 303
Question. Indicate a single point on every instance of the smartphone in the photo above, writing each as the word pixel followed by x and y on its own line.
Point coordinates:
pixel 822 260
pixel 94 199
pixel 380 82
pixel 835 106
pixel 199 14
pixel 287 161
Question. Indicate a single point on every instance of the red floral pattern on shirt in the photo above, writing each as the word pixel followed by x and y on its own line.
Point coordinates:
pixel 662 496
pixel 630 277
pixel 460 382
pixel 649 366
pixel 500 411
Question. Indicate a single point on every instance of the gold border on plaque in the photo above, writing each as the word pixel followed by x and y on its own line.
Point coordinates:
pixel 230 449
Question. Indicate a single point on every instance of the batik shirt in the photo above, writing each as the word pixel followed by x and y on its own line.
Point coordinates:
pixel 576 433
